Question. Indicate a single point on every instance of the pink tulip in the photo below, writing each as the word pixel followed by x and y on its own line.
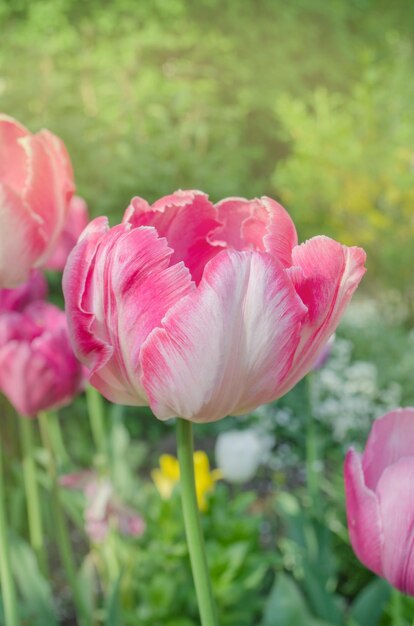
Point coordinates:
pixel 203 310
pixel 76 221
pixel 379 497
pixel 38 370
pixel 17 299
pixel 103 509
pixel 36 185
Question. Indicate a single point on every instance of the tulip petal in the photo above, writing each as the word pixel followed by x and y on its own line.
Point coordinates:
pixel 19 239
pixel 281 237
pixel 364 521
pixel 49 186
pixel 129 285
pixel 259 224
pixel 13 159
pixel 391 438
pixel 395 492
pixel 184 218
pixel 224 348
pixel 76 222
pixel 325 274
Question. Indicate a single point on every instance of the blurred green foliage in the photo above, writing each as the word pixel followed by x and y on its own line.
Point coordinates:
pixel 308 101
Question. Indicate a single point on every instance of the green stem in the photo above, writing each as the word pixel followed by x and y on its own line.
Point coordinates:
pixel 192 524
pixel 31 486
pixel 96 412
pixel 57 438
pixel 62 535
pixel 312 478
pixel 396 608
pixel 8 589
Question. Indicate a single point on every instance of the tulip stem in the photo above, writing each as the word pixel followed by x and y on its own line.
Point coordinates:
pixel 8 590
pixel 34 513
pixel 62 535
pixel 97 420
pixel 192 525
pixel 312 478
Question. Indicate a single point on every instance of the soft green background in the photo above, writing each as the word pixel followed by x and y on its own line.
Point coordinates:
pixel 308 101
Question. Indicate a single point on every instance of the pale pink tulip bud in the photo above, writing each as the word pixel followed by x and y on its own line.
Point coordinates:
pixel 38 370
pixel 36 185
pixel 18 298
pixel 76 221
pixel 325 353
pixel 103 510
pixel 379 487
pixel 201 310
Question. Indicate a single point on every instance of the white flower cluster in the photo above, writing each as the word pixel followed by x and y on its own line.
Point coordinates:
pixel 346 395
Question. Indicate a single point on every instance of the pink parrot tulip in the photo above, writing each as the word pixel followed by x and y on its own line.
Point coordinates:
pixel 18 298
pixel 76 220
pixel 201 310
pixel 379 498
pixel 36 185
pixel 38 370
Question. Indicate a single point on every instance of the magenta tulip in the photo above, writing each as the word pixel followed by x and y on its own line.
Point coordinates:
pixel 379 498
pixel 36 185
pixel 76 220
pixel 17 299
pixel 203 310
pixel 38 370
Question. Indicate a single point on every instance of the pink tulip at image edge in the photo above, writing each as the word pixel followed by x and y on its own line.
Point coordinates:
pixel 379 487
pixel 38 370
pixel 202 310
pixel 36 187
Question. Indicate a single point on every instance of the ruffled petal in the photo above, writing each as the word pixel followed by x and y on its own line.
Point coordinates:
pixel 118 285
pixel 391 438
pixel 225 348
pixel 395 493
pixel 185 219
pixel 364 520
pixel 325 274
pixel 259 224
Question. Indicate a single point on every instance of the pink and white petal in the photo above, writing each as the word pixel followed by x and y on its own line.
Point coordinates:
pixel 142 287
pixel 234 213
pixel 224 348
pixel 391 438
pixel 49 186
pixel 13 159
pixel 127 286
pixel 281 236
pixel 20 244
pixel 395 493
pixel 259 224
pixel 185 219
pixel 78 290
pixel 363 513
pixel 325 274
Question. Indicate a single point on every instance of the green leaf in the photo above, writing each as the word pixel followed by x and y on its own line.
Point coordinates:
pixel 368 606
pixel 34 589
pixel 112 605
pixel 286 606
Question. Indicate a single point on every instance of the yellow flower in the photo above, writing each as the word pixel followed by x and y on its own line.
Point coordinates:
pixel 168 475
